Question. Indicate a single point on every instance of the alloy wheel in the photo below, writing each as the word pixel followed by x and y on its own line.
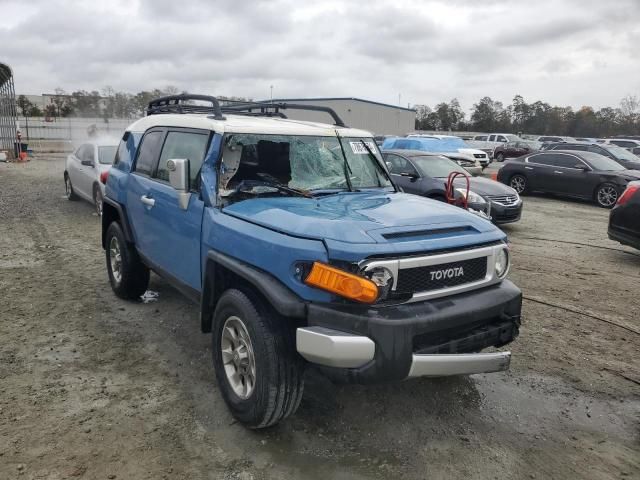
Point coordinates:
pixel 518 183
pixel 607 196
pixel 238 357
pixel 115 258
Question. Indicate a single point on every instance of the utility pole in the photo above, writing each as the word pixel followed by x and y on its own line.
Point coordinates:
pixel 271 87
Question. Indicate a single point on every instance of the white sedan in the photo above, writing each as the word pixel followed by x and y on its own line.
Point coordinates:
pixel 83 171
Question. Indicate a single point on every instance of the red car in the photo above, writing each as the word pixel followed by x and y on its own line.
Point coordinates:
pixel 514 149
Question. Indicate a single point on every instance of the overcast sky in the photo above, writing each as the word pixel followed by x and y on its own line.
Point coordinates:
pixel 566 52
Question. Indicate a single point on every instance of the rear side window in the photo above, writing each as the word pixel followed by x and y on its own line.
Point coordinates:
pixel 149 150
pixel 189 145
pixel 623 143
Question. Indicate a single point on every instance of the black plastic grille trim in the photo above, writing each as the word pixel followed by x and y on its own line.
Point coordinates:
pixel 418 279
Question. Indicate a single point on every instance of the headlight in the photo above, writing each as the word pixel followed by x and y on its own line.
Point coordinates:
pixel 473 197
pixel 383 278
pixel 502 263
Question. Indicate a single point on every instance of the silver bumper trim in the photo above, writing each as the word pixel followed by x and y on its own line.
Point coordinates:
pixel 334 348
pixel 458 364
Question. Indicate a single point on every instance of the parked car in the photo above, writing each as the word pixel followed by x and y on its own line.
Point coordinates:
pixel 514 149
pixel 636 151
pixel 618 154
pixel 490 141
pixel 571 173
pixel 426 175
pixel 629 144
pixel 470 159
pixel 300 250
pixel 554 139
pixel 624 220
pixel 83 169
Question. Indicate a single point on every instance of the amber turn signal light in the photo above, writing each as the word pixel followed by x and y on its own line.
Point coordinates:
pixel 342 283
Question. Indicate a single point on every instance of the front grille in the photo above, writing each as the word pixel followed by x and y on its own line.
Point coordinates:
pixel 479 155
pixel 506 200
pixel 420 279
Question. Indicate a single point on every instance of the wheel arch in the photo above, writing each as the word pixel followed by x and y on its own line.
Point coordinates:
pixel 114 212
pixel 223 272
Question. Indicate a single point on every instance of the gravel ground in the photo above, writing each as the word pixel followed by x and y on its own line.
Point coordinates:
pixel 95 387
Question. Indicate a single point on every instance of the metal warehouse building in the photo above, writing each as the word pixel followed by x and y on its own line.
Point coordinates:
pixel 378 118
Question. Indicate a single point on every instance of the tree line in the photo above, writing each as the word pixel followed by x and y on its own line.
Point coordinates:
pixel 539 117
pixel 107 103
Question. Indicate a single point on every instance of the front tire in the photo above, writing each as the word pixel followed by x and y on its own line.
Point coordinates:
pixel 606 195
pixel 128 276
pixel 519 183
pixel 260 375
pixel 97 199
pixel 68 188
pixel 500 157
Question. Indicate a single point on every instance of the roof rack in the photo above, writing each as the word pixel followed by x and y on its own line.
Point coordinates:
pixel 273 109
pixel 181 104
pixel 177 104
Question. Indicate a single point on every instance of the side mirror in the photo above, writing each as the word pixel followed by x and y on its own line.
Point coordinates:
pixel 179 179
pixel 88 163
pixel 583 167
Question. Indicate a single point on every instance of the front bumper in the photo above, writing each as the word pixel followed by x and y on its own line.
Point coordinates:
pixel 501 214
pixel 370 344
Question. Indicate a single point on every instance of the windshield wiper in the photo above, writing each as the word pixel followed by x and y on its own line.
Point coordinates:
pixel 375 159
pixel 273 182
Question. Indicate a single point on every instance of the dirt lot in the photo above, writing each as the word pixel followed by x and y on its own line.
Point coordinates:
pixel 94 387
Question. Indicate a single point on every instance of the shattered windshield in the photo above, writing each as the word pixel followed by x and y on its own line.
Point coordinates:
pixel 303 163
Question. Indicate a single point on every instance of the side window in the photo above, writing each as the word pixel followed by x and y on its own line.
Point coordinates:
pixel 582 148
pixel 566 161
pixel 544 159
pixel 148 152
pixel 599 150
pixel 398 165
pixel 492 138
pixel 90 153
pixel 189 145
pixel 501 139
pixel 79 152
pixel 623 143
pixel 403 144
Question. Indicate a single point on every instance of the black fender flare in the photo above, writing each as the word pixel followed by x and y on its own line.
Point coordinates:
pixel 281 298
pixel 121 217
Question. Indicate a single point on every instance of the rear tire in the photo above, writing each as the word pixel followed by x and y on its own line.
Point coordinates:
pixel 68 188
pixel 606 195
pixel 519 183
pixel 272 370
pixel 128 276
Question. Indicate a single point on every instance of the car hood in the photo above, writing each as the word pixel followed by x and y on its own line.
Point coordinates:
pixel 471 151
pixel 361 217
pixel 485 186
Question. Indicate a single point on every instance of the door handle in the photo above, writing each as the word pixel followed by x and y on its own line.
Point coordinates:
pixel 529 168
pixel 556 171
pixel 148 201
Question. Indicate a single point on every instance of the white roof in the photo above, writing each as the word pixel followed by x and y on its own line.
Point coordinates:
pixel 245 124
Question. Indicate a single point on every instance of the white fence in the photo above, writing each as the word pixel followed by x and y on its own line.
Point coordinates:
pixel 38 128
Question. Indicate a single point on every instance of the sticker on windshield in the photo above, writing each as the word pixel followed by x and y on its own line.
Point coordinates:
pixel 359 149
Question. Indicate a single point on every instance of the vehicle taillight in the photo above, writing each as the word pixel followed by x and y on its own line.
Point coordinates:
pixel 628 193
pixel 103 177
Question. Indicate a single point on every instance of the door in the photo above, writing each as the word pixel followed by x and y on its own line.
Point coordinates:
pixel 570 176
pixel 88 172
pixel 539 171
pixel 78 173
pixel 170 236
pixel 404 173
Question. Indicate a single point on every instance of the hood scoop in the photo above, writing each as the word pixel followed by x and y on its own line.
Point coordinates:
pixel 410 236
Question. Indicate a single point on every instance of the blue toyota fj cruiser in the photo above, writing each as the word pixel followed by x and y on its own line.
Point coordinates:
pixel 299 249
